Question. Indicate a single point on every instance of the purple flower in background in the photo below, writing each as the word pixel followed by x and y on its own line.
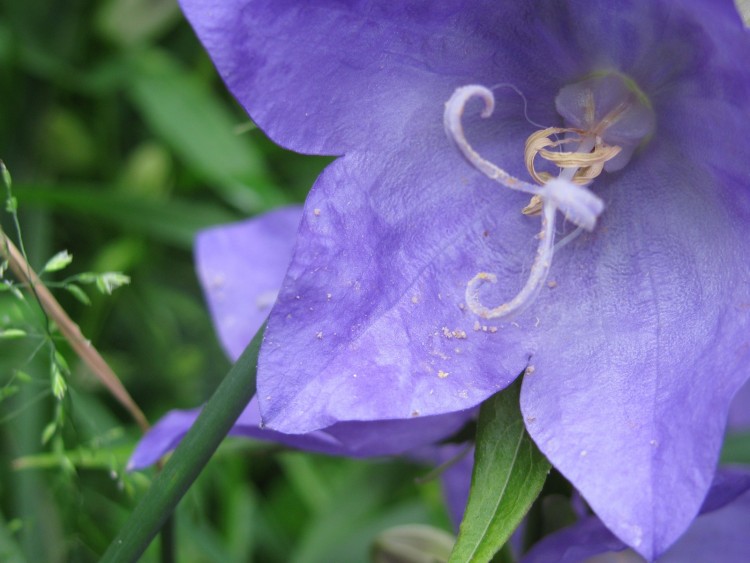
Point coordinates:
pixel 719 534
pixel 593 232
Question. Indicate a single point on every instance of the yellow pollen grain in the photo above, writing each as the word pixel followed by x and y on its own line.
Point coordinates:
pixel 460 334
pixel 447 332
pixel 415 299
pixel 552 284
pixel 316 212
pixel 415 413
pixel 319 335
pixel 530 370
pixel 443 374
pixel 477 326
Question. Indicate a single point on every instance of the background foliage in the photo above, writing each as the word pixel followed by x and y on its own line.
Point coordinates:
pixel 122 143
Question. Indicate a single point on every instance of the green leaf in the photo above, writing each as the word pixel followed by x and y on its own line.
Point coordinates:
pixel 12 333
pixel 5 174
pixel 190 457
pixel 201 131
pixel 22 376
pixel 175 222
pixel 8 391
pixel 58 262
pixel 48 432
pixel 109 281
pixel 128 22
pixel 78 293
pixel 11 205
pixel 509 472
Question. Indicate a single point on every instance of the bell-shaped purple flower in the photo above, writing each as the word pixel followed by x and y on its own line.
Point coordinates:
pixel 718 535
pixel 592 233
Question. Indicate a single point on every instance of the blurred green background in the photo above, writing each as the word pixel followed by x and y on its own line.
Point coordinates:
pixel 123 143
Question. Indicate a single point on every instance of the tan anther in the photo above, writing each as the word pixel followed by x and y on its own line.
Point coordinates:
pixel 588 165
pixel 534 207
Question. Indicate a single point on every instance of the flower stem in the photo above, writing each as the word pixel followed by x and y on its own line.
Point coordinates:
pixel 187 461
pixel 82 347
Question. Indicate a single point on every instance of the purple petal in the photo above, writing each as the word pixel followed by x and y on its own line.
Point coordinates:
pixel 352 439
pixel 366 326
pixel 313 75
pixel 241 268
pixel 719 535
pixel 586 539
pixel 163 437
pixel 663 315
pixel 729 483
pixel 662 352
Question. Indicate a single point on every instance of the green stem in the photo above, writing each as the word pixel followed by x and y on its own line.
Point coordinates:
pixel 213 424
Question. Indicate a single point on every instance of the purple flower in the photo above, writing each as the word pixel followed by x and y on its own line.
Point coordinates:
pixel 718 535
pixel 420 287
pixel 241 267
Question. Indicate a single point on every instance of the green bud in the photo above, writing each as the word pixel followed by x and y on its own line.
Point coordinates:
pixel 58 261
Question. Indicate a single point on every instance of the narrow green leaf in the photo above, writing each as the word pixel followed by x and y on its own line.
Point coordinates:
pixel 187 461
pixel 129 22
pixel 22 376
pixel 11 205
pixel 58 262
pixel 175 222
pixel 5 175
pixel 8 391
pixel 48 432
pixel 78 293
pixel 15 291
pixel 12 333
pixel 509 472
pixel 201 131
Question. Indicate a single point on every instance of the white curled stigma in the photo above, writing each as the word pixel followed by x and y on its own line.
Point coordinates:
pixel 579 205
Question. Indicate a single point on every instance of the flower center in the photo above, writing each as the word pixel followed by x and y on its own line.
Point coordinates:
pixel 607 118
